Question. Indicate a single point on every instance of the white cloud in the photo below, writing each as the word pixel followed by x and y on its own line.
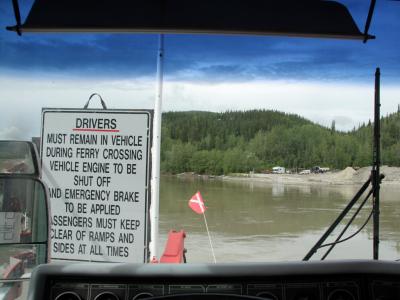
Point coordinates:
pixel 12 133
pixel 22 99
pixel 349 105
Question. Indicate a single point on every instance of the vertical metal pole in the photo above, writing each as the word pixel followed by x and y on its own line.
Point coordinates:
pixel 155 151
pixel 376 163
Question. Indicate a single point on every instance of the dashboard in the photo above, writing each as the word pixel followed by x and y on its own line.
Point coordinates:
pixel 330 280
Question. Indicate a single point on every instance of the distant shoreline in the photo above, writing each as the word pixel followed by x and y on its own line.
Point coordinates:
pixel 348 176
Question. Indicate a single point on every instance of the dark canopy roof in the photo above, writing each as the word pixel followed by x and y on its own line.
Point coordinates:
pixel 313 18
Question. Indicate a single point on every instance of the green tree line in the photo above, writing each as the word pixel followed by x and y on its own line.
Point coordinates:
pixel 257 140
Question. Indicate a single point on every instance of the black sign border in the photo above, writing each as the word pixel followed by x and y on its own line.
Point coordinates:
pixel 150 119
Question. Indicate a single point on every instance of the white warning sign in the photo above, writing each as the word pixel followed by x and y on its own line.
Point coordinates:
pixel 10 227
pixel 96 164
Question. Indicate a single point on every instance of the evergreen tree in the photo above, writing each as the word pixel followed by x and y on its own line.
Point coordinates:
pixel 241 141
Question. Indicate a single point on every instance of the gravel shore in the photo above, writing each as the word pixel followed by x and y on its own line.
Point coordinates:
pixel 348 176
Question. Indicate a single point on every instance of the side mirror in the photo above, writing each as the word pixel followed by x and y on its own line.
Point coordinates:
pixel 19 158
pixel 23 226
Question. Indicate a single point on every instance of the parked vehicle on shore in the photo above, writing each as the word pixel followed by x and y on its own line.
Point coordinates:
pixel 278 170
pixel 318 169
pixel 305 172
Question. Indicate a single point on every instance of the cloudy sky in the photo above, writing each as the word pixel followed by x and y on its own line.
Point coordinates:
pixel 320 79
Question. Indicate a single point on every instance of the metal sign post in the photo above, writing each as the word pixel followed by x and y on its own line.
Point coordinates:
pixel 155 152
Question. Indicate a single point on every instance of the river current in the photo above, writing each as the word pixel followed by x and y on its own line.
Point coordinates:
pixel 255 221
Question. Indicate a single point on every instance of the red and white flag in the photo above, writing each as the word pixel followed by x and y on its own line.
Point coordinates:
pixel 197 204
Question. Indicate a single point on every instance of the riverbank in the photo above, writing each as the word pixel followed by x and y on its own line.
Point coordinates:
pixel 348 176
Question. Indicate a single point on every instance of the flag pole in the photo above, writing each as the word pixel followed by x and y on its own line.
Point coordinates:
pixel 209 237
pixel 196 203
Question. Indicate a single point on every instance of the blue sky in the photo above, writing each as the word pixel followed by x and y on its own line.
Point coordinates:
pixel 318 78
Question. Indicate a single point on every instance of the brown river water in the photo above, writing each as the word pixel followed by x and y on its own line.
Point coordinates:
pixel 256 221
pixel 251 222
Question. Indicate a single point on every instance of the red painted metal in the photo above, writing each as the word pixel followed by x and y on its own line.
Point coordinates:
pixel 174 251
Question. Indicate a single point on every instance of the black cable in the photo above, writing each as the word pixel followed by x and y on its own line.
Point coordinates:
pixel 348 224
pixel 351 236
pixel 338 220
pixel 337 241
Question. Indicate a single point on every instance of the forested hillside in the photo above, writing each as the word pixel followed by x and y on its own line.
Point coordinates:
pixel 242 141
